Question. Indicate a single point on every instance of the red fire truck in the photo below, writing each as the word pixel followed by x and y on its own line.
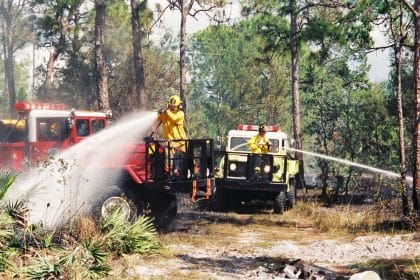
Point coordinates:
pixel 43 129
pixel 153 172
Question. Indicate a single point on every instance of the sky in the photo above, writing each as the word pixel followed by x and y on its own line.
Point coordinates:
pixel 378 60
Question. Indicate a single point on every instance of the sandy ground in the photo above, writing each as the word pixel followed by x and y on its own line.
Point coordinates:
pixel 248 254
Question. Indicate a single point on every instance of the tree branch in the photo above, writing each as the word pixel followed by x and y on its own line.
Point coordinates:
pixel 410 7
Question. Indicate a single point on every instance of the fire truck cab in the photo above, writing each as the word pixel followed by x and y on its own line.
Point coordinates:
pixel 243 176
pixel 41 130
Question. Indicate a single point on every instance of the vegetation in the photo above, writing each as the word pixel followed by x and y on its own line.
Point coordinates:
pixel 83 249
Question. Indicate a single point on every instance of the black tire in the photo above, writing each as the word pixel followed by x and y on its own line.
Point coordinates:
pixel 279 203
pixel 291 194
pixel 113 197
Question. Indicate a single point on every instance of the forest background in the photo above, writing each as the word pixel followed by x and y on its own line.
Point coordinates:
pixel 298 64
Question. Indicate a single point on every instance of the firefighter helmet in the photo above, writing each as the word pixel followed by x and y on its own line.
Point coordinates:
pixel 174 100
pixel 262 128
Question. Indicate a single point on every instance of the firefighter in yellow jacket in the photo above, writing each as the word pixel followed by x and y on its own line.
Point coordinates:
pixel 260 144
pixel 172 120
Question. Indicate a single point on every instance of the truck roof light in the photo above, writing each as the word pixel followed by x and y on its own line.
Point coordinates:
pixel 253 127
pixel 28 106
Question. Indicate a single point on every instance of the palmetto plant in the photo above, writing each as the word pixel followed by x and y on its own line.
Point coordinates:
pixel 6 180
pixel 123 237
pixel 88 260
pixel 43 269
pixel 17 210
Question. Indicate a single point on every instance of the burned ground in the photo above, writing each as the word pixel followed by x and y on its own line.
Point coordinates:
pixel 253 243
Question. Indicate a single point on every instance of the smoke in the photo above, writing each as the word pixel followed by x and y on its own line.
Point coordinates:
pixel 68 184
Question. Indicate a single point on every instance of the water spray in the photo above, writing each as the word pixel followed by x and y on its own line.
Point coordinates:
pixel 351 163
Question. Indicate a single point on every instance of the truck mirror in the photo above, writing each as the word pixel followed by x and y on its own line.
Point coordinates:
pixel 69 124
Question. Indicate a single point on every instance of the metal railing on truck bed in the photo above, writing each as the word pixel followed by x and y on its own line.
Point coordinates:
pixel 183 165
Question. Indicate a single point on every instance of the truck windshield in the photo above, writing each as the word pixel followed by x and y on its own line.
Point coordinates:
pixel 51 129
pixel 240 144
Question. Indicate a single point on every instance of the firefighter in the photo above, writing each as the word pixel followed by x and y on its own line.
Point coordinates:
pixel 172 119
pixel 54 131
pixel 260 144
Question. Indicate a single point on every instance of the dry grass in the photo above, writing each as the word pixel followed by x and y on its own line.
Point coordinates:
pixel 348 219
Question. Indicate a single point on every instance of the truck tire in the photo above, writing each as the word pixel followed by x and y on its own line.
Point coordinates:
pixel 279 203
pixel 113 198
pixel 291 194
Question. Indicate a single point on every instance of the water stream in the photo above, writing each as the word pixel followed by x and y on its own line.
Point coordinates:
pixel 67 185
pixel 351 163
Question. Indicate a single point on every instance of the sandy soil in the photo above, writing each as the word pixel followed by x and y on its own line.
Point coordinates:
pixel 247 253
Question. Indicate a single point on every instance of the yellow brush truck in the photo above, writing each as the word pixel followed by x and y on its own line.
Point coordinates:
pixel 243 176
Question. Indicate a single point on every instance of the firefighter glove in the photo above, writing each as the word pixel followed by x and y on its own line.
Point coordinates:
pixel 161 111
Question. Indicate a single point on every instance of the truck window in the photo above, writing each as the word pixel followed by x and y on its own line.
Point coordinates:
pixel 12 131
pixel 274 145
pixel 82 128
pixel 51 129
pixel 97 125
pixel 239 144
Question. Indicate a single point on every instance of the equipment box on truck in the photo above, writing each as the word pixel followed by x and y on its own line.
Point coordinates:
pixel 243 176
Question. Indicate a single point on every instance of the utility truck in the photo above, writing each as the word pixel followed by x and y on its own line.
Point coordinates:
pixel 149 178
pixel 243 176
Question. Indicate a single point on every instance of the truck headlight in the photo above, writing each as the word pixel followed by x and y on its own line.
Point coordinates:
pixel 267 168
pixel 232 167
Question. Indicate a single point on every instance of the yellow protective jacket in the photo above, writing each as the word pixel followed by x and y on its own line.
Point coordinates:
pixel 173 125
pixel 259 144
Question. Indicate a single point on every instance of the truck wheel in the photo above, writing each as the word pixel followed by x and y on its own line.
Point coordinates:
pixel 114 198
pixel 279 203
pixel 291 194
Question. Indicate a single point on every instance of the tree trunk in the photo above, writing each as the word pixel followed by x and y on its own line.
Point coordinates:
pixel 137 55
pixel 9 65
pixel 416 139
pixel 295 91
pixel 101 68
pixel 182 49
pixel 403 170
pixel 50 72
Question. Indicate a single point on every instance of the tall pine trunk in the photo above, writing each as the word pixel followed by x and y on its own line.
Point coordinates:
pixel 9 65
pixel 100 63
pixel 403 169
pixel 295 91
pixel 182 49
pixel 137 55
pixel 416 139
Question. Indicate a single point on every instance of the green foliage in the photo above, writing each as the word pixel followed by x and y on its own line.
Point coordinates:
pixel 122 237
pixel 6 180
pixel 88 260
pixel 43 269
pixel 6 230
pixel 236 80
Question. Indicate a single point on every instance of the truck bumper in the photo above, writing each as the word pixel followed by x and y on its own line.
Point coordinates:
pixel 250 186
